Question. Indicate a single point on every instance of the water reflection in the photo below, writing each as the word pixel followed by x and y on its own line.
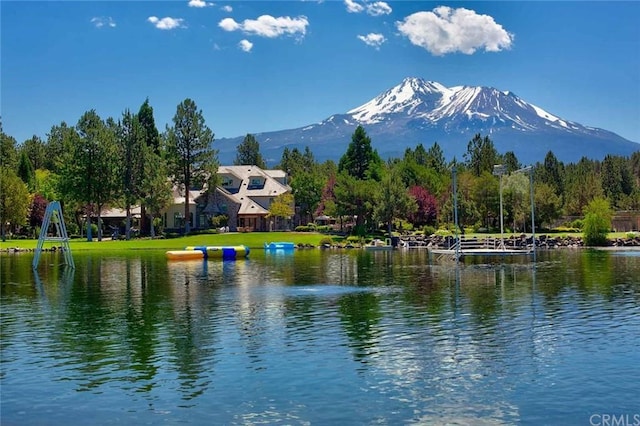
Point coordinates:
pixel 379 336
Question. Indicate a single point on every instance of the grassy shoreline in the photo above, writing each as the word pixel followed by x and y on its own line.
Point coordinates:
pixel 253 240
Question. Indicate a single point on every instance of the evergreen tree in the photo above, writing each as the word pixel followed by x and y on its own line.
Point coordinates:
pixel 361 161
pixel 34 147
pixel 152 139
pixel 435 159
pixel 617 181
pixel 60 141
pixel 131 144
pixel 25 171
pixel 90 170
pixel 481 155
pixel 192 157
pixel 8 150
pixel 551 173
pixel 511 161
pixel 148 123
pixel 156 194
pixel 249 153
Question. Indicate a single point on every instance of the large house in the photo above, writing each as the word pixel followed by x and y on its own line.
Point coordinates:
pixel 244 194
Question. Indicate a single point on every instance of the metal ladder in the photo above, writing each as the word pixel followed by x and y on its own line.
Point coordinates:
pixel 53 214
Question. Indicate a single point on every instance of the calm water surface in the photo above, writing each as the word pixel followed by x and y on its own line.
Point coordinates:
pixel 320 337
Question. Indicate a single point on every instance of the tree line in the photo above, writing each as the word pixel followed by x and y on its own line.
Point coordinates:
pixel 127 162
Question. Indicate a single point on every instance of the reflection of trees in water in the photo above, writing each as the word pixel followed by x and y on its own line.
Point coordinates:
pixel 360 315
pixel 191 330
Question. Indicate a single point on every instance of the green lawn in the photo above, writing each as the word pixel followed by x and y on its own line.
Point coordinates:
pixel 251 239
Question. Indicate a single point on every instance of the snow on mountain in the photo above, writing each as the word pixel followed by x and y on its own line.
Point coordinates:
pixel 411 97
pixel 456 106
pixel 420 111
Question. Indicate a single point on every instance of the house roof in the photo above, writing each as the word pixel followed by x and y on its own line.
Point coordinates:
pixel 179 196
pixel 246 195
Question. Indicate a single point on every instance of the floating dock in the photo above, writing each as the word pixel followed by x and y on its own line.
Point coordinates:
pixel 279 246
pixel 209 252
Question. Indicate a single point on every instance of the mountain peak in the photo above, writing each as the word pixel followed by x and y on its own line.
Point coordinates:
pixel 412 96
pixel 422 111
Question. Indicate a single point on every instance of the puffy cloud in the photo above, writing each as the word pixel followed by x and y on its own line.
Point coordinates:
pixel 373 39
pixel 200 3
pixel 227 8
pixel 353 7
pixel 268 26
pixel 446 30
pixel 245 45
pixel 100 22
pixel 228 24
pixel 378 8
pixel 166 23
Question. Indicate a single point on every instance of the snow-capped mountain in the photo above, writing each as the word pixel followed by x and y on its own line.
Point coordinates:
pixel 419 111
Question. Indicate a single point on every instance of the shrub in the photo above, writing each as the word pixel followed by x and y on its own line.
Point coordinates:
pixel 428 230
pixel 326 241
pixel 577 224
pixel 597 222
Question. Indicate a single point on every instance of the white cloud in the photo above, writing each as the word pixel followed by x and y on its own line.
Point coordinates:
pixel 378 8
pixel 227 8
pixel 373 39
pixel 245 45
pixel 353 7
pixel 100 22
pixel 200 3
pixel 166 23
pixel 446 30
pixel 228 24
pixel 268 26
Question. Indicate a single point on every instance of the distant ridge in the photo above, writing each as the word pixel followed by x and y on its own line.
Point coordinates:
pixel 420 111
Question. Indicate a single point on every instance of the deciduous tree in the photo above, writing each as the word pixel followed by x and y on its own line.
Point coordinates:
pixel 391 200
pixel 14 200
pixel 597 222
pixel 427 207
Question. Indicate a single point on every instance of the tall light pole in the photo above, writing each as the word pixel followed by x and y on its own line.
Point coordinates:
pixel 499 170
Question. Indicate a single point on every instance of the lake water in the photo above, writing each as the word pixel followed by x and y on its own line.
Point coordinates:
pixel 321 337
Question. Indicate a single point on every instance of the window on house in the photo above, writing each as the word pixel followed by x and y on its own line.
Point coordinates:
pixel 226 181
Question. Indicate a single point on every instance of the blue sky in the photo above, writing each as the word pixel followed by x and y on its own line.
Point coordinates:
pixel 272 65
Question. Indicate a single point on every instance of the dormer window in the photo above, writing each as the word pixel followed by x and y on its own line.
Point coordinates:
pixel 226 181
pixel 255 183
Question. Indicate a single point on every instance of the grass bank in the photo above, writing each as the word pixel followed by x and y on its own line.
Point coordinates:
pixel 252 240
